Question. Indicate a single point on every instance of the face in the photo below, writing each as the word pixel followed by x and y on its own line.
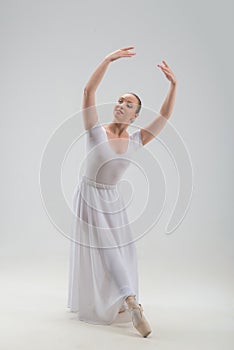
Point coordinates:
pixel 126 107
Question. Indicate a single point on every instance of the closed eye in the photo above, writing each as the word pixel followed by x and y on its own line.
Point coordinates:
pixel 128 104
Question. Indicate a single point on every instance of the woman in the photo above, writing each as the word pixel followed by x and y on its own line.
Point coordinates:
pixel 103 278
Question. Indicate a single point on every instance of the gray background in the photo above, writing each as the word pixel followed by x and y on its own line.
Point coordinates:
pixel 48 51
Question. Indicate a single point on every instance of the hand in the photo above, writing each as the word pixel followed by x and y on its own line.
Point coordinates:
pixel 168 72
pixel 124 52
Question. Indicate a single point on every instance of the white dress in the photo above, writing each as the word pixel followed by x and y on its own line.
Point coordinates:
pixel 103 261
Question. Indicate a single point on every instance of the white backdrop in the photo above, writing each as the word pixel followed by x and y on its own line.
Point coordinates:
pixel 48 51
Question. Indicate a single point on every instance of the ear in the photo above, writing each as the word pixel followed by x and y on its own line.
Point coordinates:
pixel 136 114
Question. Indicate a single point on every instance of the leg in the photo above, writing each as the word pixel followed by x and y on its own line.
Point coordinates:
pixel 114 265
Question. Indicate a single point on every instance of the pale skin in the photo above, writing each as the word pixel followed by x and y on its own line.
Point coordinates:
pixel 126 108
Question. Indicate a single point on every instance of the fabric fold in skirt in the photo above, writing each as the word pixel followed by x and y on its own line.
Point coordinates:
pixel 103 260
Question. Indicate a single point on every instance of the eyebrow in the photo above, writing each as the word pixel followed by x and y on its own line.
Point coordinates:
pixel 125 99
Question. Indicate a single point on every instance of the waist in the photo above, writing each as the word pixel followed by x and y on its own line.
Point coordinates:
pixel 94 183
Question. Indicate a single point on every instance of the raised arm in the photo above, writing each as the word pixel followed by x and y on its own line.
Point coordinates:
pixel 153 128
pixel 90 116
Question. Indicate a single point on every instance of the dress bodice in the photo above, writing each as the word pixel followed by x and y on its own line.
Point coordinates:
pixel 102 163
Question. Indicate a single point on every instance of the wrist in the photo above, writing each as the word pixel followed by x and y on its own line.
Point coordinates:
pixel 107 60
pixel 174 83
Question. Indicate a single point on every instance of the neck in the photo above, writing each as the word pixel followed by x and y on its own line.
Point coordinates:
pixel 117 128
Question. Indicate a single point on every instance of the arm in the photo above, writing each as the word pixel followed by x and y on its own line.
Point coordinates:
pixel 153 128
pixel 90 116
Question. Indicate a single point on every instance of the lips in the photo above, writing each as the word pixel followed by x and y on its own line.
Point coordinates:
pixel 118 110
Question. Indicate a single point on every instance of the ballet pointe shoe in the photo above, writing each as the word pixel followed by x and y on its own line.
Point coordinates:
pixel 138 319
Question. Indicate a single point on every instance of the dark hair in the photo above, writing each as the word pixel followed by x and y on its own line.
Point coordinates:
pixel 139 100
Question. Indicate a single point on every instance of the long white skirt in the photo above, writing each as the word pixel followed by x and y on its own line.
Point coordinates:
pixel 103 260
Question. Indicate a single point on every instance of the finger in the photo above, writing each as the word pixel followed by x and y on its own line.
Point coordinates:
pixel 168 74
pixel 165 63
pixel 164 68
pixel 127 48
pixel 128 54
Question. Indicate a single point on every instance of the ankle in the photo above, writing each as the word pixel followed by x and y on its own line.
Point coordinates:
pixel 130 298
pixel 131 301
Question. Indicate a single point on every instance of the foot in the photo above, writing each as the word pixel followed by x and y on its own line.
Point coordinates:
pixel 122 309
pixel 138 319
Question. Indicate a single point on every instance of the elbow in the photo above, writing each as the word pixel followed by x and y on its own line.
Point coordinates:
pixel 165 115
pixel 88 91
pixel 85 91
